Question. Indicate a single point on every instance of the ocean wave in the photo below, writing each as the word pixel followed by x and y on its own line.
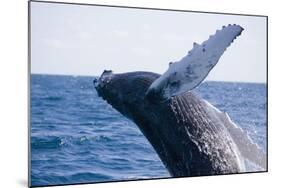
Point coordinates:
pixel 48 142
pixel 53 98
pixel 55 142
pixel 89 176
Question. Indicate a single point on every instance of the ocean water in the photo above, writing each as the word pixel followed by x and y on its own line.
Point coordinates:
pixel 76 137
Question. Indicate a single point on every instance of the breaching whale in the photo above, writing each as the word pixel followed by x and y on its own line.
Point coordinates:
pixel 190 135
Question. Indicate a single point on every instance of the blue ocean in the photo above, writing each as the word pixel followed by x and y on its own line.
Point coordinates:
pixel 76 137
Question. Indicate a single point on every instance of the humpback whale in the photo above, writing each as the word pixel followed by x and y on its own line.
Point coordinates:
pixel 190 135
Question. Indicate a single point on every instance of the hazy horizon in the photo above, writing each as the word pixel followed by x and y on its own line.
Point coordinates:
pixel 82 40
pixel 73 75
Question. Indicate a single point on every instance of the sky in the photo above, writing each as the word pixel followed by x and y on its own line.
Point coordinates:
pixel 85 40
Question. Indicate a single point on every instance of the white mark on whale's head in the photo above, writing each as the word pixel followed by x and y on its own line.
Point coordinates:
pixel 102 84
pixel 104 78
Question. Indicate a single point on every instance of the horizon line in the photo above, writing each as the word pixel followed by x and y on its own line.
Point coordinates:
pixel 86 75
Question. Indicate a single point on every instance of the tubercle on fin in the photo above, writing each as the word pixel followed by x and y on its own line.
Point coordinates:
pixel 195 44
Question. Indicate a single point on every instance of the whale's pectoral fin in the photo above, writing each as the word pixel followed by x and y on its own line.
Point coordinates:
pixel 191 70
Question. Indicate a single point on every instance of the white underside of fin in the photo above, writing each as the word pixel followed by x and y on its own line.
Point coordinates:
pixel 192 69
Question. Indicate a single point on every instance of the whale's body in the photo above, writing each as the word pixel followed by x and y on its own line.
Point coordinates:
pixel 190 136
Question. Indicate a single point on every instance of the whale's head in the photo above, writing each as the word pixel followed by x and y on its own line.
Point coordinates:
pixel 124 91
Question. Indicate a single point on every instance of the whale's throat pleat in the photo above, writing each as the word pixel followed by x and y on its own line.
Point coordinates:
pixel 207 132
